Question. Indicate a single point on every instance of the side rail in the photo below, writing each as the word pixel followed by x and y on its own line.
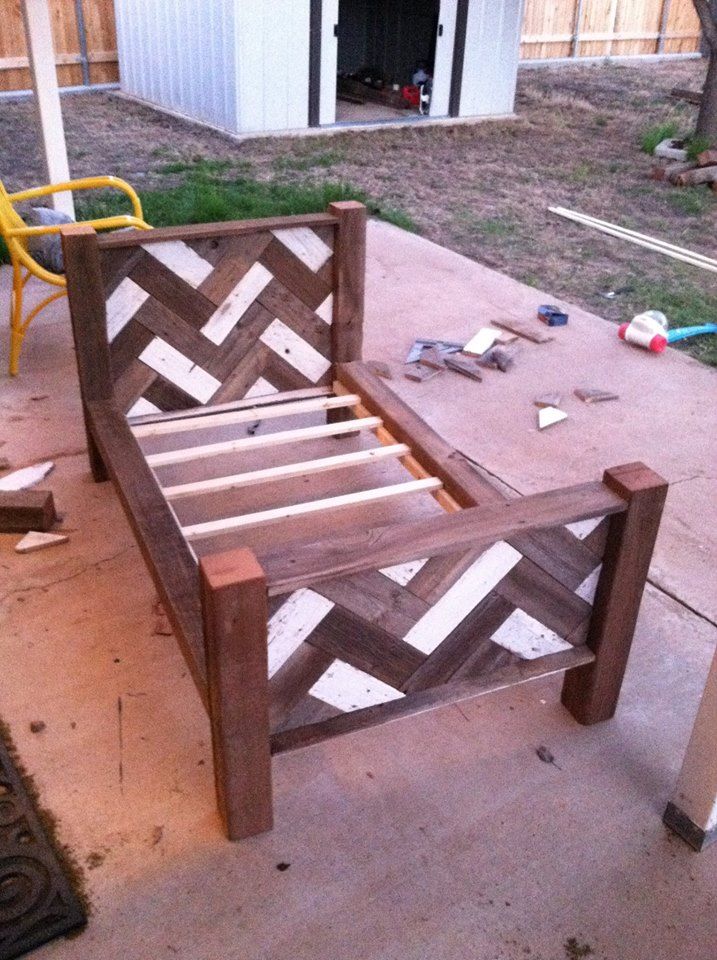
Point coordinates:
pixel 335 635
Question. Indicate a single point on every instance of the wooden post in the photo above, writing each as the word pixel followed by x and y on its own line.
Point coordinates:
pixel 235 610
pixel 591 692
pixel 41 53
pixel 88 310
pixel 692 813
pixel 349 289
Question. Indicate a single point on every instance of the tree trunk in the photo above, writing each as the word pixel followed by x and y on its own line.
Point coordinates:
pixel 707 118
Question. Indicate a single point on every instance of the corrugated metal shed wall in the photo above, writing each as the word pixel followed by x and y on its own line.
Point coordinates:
pixel 180 55
pixel 272 56
pixel 490 68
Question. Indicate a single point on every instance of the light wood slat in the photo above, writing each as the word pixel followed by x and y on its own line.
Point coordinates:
pixel 244 416
pixel 265 440
pixel 413 466
pixel 284 472
pixel 199 531
pixel 415 703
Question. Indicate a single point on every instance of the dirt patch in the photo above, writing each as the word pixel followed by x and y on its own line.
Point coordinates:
pixel 482 189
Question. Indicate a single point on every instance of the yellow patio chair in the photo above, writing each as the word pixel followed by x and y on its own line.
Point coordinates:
pixel 15 232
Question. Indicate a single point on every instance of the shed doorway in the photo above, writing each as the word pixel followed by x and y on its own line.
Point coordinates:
pixel 392 60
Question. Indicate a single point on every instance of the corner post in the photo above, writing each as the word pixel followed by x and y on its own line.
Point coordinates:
pixel 591 692
pixel 235 611
pixel 349 289
pixel 88 310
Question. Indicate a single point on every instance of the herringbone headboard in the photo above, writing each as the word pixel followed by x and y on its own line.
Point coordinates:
pixel 212 313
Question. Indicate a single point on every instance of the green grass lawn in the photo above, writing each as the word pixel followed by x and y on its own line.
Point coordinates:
pixel 208 196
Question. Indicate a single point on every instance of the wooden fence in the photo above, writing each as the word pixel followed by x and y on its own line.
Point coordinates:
pixel 86 43
pixel 608 28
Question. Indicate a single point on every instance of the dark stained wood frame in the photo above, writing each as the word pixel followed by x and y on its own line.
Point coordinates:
pixel 219 608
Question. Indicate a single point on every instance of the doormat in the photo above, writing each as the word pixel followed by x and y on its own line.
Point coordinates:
pixel 37 899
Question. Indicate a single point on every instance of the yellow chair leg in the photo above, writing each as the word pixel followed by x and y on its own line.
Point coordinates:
pixel 18 326
pixel 16 329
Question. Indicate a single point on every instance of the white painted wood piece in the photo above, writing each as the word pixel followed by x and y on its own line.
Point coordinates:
pixel 27 477
pixel 526 637
pixel 142 408
pixel 696 790
pixel 265 440
pixel 547 416
pixel 306 245
pixel 211 528
pixel 180 370
pixel 245 416
pixel 122 304
pixel 234 306
pixel 346 688
pixel 41 53
pixel 180 259
pixel 463 597
pixel 293 622
pixel 261 388
pixel 34 540
pixel 326 310
pixel 583 528
pixel 403 573
pixel 482 341
pixel 284 472
pixel 295 350
pixel 586 590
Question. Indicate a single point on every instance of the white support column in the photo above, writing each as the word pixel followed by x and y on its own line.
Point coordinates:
pixel 692 812
pixel 41 52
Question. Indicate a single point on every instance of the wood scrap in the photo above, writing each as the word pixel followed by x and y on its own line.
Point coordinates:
pixel 380 368
pixel 27 477
pixel 34 540
pixel 523 329
pixel 465 365
pixel 421 374
pixel 691 178
pixel 432 358
pixel 499 358
pixel 482 341
pixel 23 510
pixel 547 416
pixel 594 394
pixel 707 157
pixel 690 96
pixel 548 400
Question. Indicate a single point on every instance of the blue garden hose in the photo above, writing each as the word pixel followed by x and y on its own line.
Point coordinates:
pixel 682 333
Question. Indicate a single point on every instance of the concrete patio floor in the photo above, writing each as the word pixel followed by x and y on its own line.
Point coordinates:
pixel 443 836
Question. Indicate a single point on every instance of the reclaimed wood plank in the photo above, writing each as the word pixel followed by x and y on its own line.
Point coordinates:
pixel 416 703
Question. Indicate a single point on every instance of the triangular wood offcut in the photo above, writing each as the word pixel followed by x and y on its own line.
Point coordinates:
pixel 34 540
pixel 548 400
pixel 547 416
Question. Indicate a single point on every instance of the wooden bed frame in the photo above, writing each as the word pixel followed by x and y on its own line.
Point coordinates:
pixel 358 606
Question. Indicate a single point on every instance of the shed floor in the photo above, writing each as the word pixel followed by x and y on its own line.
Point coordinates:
pixel 445 835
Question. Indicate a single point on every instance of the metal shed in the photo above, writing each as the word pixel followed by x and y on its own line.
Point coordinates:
pixel 272 65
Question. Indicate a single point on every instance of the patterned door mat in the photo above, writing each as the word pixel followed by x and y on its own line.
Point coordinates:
pixel 37 900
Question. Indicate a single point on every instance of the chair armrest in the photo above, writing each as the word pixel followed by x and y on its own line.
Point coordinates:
pixel 86 183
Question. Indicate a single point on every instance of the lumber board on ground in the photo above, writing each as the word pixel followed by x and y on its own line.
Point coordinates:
pixel 23 510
